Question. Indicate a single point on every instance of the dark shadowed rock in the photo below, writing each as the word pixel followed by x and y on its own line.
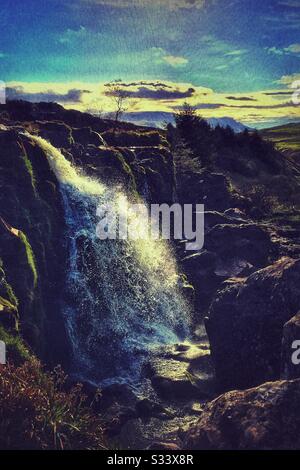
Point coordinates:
pixel 266 417
pixel 291 334
pixel 245 324
pixel 33 260
pixel 211 189
pixel 86 136
pixel 248 242
pixel 57 133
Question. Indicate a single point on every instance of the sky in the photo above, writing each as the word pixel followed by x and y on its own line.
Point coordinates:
pixel 235 58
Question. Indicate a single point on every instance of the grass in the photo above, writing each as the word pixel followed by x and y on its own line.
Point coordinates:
pixel 29 169
pixel 36 411
pixel 7 287
pixel 15 346
pixel 285 137
pixel 30 257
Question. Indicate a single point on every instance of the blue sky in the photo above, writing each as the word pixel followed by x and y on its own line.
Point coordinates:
pixel 227 47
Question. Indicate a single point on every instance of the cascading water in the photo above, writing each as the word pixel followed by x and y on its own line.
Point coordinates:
pixel 121 297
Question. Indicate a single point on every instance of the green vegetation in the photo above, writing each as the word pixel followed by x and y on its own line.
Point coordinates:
pixel 134 139
pixel 6 288
pixel 286 138
pixel 37 413
pixel 29 169
pixel 243 153
pixel 30 257
pixel 15 346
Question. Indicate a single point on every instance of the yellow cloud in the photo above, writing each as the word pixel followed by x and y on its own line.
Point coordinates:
pixel 265 105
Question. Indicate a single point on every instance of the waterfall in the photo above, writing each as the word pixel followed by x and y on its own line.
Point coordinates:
pixel 122 297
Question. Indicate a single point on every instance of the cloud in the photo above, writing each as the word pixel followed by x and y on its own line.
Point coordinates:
pixel 160 56
pixel 145 83
pixel 237 52
pixel 288 79
pixel 146 92
pixel 72 96
pixel 286 104
pixel 240 98
pixel 170 4
pixel 175 61
pixel 292 49
pixel 279 93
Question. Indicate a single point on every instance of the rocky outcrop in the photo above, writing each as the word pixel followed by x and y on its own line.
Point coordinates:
pixel 58 134
pixel 31 248
pixel 212 189
pixel 245 324
pixel 249 243
pixel 234 246
pixel 261 418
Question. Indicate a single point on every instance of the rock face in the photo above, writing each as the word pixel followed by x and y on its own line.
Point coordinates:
pixel 31 252
pixel 261 418
pixel 234 247
pixel 245 324
pixel 211 189
pixel 290 346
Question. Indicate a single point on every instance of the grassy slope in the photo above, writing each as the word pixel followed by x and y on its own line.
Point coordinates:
pixel 286 138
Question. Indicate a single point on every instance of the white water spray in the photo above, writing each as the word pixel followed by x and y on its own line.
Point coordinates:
pixel 121 297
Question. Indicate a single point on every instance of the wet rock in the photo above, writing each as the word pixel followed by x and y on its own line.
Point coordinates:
pixel 261 418
pixel 147 409
pixel 291 334
pixel 120 394
pixel 200 268
pixel 237 214
pixel 108 165
pixel 117 419
pixel 245 324
pixel 182 374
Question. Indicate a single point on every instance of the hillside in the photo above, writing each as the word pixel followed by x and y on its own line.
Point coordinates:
pixel 286 138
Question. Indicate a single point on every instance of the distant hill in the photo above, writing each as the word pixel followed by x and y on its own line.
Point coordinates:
pixel 236 126
pixel 158 119
pixel 285 137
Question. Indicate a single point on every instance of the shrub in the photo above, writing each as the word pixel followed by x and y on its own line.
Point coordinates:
pixel 37 413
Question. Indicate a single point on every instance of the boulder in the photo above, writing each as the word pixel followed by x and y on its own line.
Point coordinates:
pixel 245 324
pixel 211 189
pixel 262 418
pixel 248 242
pixel 182 372
pixel 290 346
pixel 230 250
